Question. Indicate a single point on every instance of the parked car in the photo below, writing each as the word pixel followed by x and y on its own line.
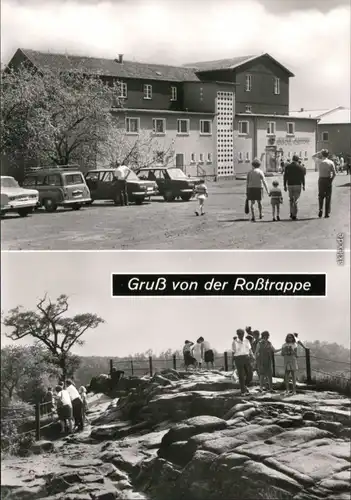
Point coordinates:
pixel 17 199
pixel 171 182
pixel 59 186
pixel 104 185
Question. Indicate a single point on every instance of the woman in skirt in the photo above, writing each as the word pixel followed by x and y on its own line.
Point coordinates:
pixel 208 355
pixel 189 359
pixel 264 359
pixel 254 186
pixel 198 353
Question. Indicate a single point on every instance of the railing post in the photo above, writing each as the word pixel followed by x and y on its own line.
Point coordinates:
pixel 273 365
pixel 132 366
pixel 111 367
pixel 174 361
pixel 308 366
pixel 226 361
pixel 37 422
pixel 150 366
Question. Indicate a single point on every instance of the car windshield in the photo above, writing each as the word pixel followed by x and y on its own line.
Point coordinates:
pixel 131 176
pixel 9 182
pixel 176 173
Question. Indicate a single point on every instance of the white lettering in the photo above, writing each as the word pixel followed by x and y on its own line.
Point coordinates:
pixel 134 284
pixel 185 285
pixel 215 285
pixel 239 283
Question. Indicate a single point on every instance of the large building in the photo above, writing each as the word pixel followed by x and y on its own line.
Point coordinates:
pixel 217 115
pixel 333 129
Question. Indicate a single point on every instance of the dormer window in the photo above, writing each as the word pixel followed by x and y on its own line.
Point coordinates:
pixel 173 93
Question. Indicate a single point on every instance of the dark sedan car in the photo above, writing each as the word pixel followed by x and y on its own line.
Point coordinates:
pixel 104 184
pixel 171 182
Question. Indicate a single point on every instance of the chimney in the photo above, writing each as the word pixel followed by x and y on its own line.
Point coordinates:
pixel 302 109
pixel 120 59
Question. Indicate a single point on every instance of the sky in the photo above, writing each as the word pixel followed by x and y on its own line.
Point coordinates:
pixel 310 37
pixel 138 324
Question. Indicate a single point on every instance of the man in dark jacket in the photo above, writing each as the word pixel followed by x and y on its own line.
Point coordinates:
pixel 294 180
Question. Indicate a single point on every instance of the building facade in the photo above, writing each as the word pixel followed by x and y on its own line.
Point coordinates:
pixel 216 115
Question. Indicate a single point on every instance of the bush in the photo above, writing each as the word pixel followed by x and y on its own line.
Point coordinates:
pixel 15 439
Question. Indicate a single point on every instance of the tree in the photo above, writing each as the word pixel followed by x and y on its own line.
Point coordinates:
pixel 141 150
pixel 55 117
pixel 49 326
pixel 23 368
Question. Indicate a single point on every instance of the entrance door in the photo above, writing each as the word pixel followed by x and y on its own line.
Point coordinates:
pixel 271 159
pixel 180 161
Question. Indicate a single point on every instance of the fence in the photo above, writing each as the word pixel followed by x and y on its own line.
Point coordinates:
pixel 150 365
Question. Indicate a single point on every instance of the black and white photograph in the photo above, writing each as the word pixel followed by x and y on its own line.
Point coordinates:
pixel 164 397
pixel 198 124
pixel 175 249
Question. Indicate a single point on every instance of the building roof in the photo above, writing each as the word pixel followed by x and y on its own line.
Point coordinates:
pixel 339 116
pixel 110 67
pixel 333 115
pixel 231 63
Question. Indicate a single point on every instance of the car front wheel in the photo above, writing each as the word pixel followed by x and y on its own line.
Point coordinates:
pixel 76 206
pixel 23 212
pixel 139 201
pixel 49 205
pixel 186 197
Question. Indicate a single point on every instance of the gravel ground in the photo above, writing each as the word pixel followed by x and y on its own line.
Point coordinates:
pixel 173 226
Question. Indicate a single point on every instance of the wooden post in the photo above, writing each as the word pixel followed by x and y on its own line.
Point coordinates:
pixel 174 361
pixel 273 365
pixel 150 366
pixel 308 366
pixel 111 367
pixel 226 361
pixel 37 422
pixel 132 366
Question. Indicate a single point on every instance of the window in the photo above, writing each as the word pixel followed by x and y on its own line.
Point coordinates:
pixel 277 86
pixel 173 93
pixel 247 156
pixel 193 158
pixel 240 156
pixel 123 90
pixel 72 179
pixel 205 127
pixel 107 177
pixel 243 128
pixel 147 91
pixel 248 83
pixel 270 128
pixel 28 181
pixel 132 125
pixel 159 125
pixel 300 155
pixel 183 127
pixel 290 128
pixel 325 136
pixel 201 158
pixel 53 180
pixel 209 157
pixel 306 155
pixel 248 108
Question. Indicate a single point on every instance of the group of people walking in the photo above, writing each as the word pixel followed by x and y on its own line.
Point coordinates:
pixel 294 183
pixel 252 352
pixel 70 405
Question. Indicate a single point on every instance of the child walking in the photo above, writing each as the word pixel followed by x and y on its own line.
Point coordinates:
pixel 201 194
pixel 276 200
pixel 289 353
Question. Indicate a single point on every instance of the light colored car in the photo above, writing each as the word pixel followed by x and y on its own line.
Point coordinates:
pixel 17 199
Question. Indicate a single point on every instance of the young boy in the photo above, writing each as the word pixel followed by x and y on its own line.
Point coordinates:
pixel 276 199
pixel 202 194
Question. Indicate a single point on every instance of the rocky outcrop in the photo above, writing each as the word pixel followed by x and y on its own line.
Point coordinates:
pixel 186 436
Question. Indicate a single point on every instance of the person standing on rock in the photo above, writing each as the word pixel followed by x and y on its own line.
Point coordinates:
pixel 208 355
pixel 289 353
pixel 264 354
pixel 64 409
pixel 255 182
pixel 187 354
pixel 198 353
pixel 242 354
pixel 83 396
pixel 77 405
pixel 254 343
pixel 294 181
